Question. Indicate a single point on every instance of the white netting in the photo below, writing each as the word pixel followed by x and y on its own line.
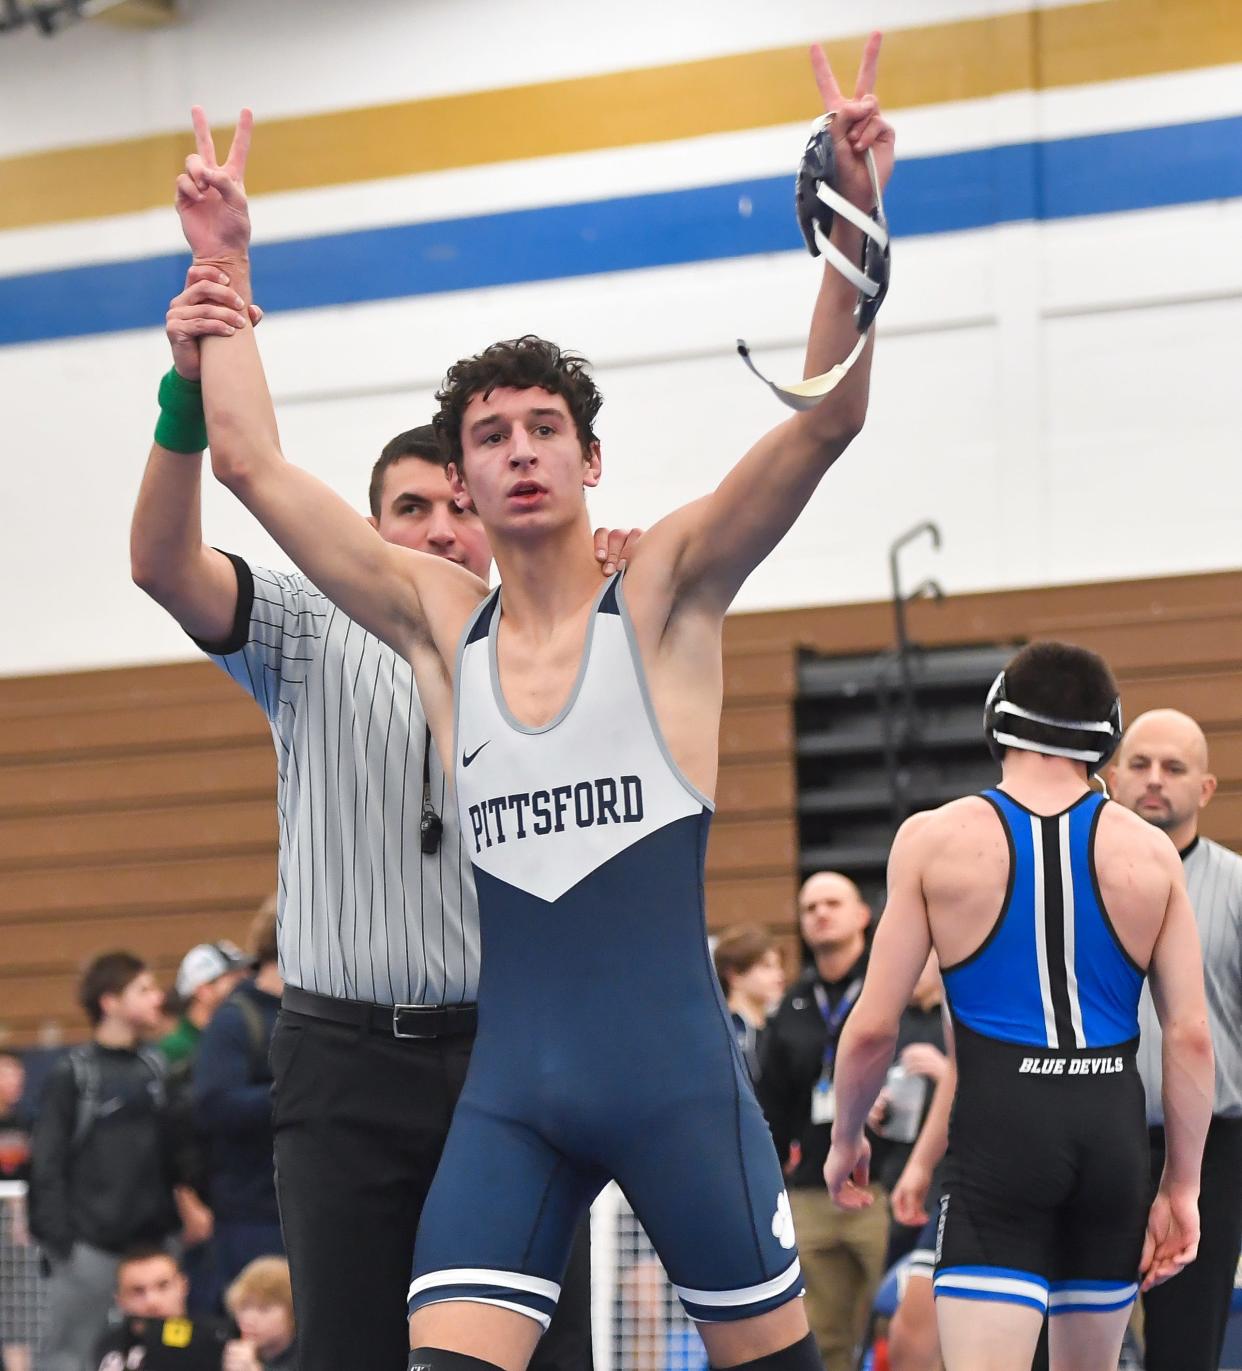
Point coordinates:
pixel 639 1324
pixel 21 1290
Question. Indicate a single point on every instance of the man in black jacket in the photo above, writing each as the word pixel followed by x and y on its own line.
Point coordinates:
pixel 231 1082
pixel 842 1254
pixel 151 1330
pixel 105 1158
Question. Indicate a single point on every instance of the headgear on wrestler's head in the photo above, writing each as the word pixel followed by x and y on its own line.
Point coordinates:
pixel 517 423
pixel 1057 699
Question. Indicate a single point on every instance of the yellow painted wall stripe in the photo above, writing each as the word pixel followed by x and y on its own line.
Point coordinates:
pixel 1101 40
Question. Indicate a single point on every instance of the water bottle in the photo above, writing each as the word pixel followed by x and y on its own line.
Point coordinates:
pixel 907 1093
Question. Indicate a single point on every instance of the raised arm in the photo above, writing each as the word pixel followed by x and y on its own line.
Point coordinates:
pixel 379 585
pixel 711 546
pixel 1187 1082
pixel 898 954
pixel 168 557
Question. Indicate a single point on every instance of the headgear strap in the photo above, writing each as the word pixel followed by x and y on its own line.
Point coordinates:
pixel 817 201
pixel 1108 731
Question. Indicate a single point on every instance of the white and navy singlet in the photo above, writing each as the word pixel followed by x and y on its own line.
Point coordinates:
pixel 604 1050
pixel 1046 1179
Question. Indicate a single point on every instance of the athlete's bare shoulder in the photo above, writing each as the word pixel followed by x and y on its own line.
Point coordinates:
pixel 962 858
pixel 681 652
pixel 964 810
pixel 956 833
pixel 1122 828
pixel 448 594
pixel 953 837
pixel 961 819
pixel 1126 843
pixel 651 585
pixel 1139 872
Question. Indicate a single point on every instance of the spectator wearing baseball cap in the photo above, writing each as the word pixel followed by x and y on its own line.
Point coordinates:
pixel 231 1083
pixel 205 979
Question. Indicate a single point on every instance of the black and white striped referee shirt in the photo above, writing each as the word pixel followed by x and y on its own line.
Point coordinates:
pixel 363 914
pixel 1214 883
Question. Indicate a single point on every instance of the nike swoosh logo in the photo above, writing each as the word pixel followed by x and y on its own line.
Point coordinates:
pixel 109 1107
pixel 468 757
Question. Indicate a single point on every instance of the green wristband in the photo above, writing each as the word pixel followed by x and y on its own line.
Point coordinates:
pixel 181 426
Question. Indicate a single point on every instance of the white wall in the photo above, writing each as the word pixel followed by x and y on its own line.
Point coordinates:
pixel 296 56
pixel 1062 398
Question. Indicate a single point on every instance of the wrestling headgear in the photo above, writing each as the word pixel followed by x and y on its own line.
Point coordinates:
pixel 817 202
pixel 1092 742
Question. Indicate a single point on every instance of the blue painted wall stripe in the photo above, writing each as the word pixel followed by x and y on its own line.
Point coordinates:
pixel 1098 174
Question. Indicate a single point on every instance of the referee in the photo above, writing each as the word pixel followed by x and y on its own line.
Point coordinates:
pixel 378 924
pixel 1161 773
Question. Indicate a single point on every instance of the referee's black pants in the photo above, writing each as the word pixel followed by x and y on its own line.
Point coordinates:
pixel 1184 1319
pixel 360 1121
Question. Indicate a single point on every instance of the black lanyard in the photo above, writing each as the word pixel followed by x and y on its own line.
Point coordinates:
pixel 430 825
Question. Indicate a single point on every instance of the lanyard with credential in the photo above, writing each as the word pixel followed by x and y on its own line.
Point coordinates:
pixel 834 1019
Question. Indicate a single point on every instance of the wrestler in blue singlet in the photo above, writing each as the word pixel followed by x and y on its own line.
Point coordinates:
pixel 604 1050
pixel 1046 1179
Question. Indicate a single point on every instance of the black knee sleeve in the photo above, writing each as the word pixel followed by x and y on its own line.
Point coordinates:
pixel 798 1356
pixel 437 1359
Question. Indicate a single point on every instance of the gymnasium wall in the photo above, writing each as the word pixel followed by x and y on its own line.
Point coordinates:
pixel 1055 381
pixel 136 804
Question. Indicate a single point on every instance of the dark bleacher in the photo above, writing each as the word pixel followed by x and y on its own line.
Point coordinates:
pixel 879 738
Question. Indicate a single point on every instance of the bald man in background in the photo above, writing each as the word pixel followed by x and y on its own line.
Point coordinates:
pixel 1161 773
pixel 842 1254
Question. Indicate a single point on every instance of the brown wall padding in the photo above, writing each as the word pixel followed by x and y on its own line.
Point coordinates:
pixel 136 806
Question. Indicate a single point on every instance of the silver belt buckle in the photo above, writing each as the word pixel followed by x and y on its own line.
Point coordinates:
pixel 396 1031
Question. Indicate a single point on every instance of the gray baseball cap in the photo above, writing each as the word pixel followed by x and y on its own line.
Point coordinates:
pixel 208 962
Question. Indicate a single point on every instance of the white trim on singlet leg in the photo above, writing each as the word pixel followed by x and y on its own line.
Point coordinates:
pixel 752 1294
pixel 542 1319
pixel 1069 1293
pixel 472 1275
pixel 1041 935
pixel 921 1264
pixel 946 1282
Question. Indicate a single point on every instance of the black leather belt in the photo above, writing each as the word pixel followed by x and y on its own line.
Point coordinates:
pixel 392 1020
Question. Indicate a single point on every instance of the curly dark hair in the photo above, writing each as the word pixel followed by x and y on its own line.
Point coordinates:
pixel 525 363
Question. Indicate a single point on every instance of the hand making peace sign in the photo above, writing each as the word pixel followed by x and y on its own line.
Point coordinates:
pixel 857 125
pixel 211 199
